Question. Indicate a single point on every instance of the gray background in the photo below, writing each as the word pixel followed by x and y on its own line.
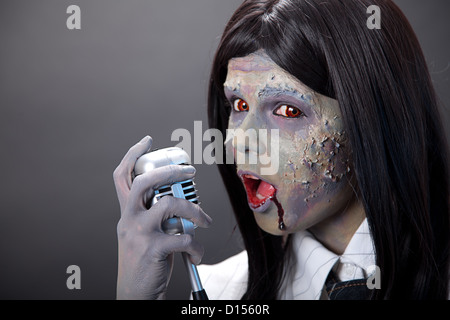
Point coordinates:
pixel 73 102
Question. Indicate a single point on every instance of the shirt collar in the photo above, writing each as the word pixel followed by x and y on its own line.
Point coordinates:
pixel 312 262
pixel 359 254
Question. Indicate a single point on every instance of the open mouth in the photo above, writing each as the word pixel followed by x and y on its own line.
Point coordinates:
pixel 259 192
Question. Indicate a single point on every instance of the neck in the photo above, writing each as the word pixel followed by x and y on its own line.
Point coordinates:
pixel 336 231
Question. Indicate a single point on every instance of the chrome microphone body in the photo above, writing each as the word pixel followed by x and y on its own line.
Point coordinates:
pixel 184 190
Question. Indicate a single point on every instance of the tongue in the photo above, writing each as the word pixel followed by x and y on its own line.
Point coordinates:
pixel 265 190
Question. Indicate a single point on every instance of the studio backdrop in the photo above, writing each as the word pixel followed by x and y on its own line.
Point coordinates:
pixel 81 81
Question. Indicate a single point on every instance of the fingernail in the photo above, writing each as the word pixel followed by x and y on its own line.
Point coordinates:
pixel 188 169
pixel 145 139
pixel 196 260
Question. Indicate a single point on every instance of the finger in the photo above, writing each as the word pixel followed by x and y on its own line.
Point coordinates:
pixel 183 243
pixel 148 182
pixel 122 174
pixel 169 207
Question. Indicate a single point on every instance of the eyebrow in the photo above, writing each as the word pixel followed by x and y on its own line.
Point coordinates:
pixel 269 92
pixel 275 92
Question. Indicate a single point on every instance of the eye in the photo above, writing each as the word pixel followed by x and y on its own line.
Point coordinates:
pixel 288 111
pixel 240 105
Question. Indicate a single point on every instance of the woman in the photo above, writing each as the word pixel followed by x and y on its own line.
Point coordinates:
pixel 361 191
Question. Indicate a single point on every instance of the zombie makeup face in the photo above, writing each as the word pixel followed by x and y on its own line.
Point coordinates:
pixel 312 180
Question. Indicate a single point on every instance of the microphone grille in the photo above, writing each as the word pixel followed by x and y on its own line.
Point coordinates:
pixel 184 190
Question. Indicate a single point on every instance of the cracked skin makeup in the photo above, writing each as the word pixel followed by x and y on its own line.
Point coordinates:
pixel 312 186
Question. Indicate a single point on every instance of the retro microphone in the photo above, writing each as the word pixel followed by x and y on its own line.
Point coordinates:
pixel 184 190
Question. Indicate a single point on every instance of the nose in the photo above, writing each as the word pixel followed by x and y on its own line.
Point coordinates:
pixel 250 138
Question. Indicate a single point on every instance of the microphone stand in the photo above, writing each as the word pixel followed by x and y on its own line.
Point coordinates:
pixel 198 293
pixel 180 225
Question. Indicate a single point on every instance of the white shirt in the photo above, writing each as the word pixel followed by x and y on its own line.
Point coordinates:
pixel 306 274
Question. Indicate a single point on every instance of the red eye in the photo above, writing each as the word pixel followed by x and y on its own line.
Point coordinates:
pixel 288 111
pixel 240 105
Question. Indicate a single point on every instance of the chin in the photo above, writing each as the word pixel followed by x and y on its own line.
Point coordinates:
pixel 269 223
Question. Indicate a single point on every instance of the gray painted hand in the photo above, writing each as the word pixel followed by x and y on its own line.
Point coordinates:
pixel 145 251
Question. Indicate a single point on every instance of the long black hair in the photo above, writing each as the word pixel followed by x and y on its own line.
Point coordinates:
pixel 390 111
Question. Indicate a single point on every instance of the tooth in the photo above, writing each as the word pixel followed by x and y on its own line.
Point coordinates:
pixel 251 177
pixel 260 196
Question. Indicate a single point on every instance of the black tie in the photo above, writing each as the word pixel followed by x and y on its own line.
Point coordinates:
pixel 347 290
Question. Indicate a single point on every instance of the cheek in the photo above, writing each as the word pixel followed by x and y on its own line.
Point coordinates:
pixel 323 156
pixel 326 157
pixel 314 175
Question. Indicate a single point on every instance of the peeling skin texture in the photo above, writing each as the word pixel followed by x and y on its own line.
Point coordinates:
pixel 314 180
